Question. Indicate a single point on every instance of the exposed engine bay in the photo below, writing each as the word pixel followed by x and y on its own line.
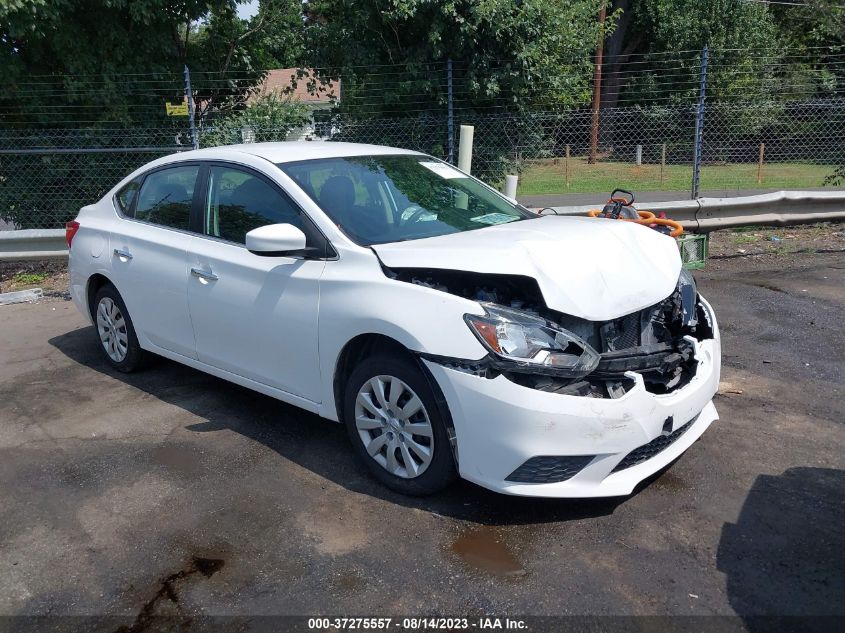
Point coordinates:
pixel 656 342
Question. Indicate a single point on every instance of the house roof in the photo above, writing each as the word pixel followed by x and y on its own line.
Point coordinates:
pixel 281 81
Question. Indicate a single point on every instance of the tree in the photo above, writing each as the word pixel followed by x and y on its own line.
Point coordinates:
pixel 269 117
pixel 654 53
pixel 107 59
pixel 756 76
pixel 506 54
pixel 812 24
pixel 507 57
pixel 96 73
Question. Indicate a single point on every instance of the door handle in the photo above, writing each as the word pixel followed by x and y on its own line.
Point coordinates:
pixel 203 274
pixel 123 254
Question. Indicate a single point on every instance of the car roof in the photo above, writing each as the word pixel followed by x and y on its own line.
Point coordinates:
pixel 290 151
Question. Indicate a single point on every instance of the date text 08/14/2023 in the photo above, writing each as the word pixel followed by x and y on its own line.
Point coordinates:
pixel 416 624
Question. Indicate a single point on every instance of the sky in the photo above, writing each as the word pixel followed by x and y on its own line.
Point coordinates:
pixel 248 9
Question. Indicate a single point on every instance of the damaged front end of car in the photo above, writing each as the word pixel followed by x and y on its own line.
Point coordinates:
pixel 540 348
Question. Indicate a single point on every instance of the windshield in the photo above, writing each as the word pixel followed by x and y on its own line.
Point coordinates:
pixel 379 199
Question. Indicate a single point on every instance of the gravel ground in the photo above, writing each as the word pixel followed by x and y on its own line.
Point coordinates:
pixel 766 243
pixel 169 492
pixel 50 276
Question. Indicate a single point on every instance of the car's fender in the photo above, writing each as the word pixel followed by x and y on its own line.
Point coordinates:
pixel 89 255
pixel 357 298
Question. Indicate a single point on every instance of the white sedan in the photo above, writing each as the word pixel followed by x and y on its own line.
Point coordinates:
pixel 451 330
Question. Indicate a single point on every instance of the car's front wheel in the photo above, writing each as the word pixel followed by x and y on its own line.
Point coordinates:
pixel 115 331
pixel 397 427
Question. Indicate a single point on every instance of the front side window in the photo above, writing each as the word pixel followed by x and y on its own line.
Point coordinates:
pixel 239 202
pixel 379 199
pixel 166 196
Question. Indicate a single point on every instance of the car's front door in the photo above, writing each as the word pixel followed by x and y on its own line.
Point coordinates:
pixel 253 316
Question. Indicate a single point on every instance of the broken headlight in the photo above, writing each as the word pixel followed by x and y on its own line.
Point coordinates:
pixel 689 297
pixel 528 342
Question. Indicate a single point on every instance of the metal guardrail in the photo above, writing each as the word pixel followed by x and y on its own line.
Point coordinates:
pixel 32 244
pixel 698 216
pixel 781 208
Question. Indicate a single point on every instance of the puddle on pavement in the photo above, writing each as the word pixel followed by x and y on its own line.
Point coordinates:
pixel 483 548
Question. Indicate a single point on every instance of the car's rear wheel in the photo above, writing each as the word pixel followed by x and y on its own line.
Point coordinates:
pixel 115 331
pixel 397 427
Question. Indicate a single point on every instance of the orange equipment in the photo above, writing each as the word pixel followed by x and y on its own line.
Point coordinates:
pixel 618 207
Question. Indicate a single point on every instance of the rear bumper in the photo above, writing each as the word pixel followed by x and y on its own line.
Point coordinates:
pixel 78 287
pixel 500 425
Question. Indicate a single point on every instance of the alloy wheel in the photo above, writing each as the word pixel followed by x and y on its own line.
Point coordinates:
pixel 394 426
pixel 111 326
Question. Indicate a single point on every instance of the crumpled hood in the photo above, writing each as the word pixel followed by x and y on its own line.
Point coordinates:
pixel 595 269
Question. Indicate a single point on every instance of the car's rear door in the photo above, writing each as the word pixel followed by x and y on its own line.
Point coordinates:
pixel 149 256
pixel 254 316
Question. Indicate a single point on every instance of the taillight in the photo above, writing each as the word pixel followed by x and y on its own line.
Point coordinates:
pixel 70 230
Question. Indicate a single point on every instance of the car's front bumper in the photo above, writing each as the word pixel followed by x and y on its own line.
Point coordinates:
pixel 499 425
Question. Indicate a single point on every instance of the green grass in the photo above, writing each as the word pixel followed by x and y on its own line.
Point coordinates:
pixel 28 279
pixel 549 177
pixel 745 239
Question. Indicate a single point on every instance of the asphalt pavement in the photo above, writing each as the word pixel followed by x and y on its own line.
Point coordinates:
pixel 170 492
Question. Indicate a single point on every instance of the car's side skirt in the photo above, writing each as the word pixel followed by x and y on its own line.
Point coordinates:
pixel 278 394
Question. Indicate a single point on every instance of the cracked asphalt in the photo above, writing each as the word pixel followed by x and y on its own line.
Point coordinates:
pixel 170 492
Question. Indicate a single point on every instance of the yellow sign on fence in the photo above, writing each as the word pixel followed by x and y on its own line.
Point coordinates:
pixel 176 109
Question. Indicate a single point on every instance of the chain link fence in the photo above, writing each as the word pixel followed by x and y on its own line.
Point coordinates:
pixel 47 175
pixel 780 139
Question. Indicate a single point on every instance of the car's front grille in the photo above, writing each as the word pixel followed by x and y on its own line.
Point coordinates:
pixel 549 469
pixel 655 446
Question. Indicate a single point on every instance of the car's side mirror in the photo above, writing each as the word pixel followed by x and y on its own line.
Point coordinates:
pixel 276 240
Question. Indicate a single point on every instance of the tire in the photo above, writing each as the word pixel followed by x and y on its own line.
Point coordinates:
pixel 393 423
pixel 115 332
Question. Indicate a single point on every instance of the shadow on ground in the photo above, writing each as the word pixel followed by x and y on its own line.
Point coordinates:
pixel 784 555
pixel 312 442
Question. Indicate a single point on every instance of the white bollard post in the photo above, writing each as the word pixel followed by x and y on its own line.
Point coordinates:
pixel 510 186
pixel 464 162
pixel 639 155
pixel 465 149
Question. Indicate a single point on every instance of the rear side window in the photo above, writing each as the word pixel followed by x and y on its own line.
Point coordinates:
pixel 239 202
pixel 166 197
pixel 126 196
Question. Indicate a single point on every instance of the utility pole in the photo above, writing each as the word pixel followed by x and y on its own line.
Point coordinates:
pixel 189 95
pixel 450 114
pixel 594 132
pixel 699 123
